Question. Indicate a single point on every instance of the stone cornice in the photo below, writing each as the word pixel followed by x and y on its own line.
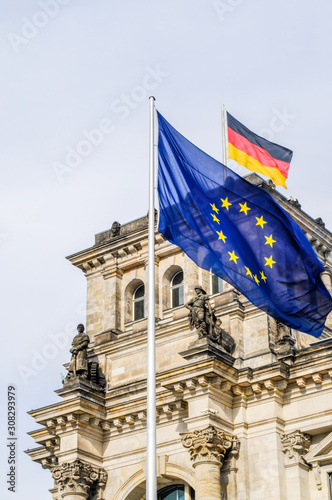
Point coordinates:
pixel 124 250
pixel 44 456
pixel 208 368
pixel 266 382
pixel 69 407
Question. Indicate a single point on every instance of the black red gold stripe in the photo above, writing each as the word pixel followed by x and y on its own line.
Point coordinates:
pixel 256 153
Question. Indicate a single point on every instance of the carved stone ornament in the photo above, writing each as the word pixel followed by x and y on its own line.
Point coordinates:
pixel 317 475
pixel 202 317
pixel 271 184
pixel 79 478
pixel 281 338
pixel 295 446
pixel 320 222
pixel 209 445
pixel 115 229
pixel 295 202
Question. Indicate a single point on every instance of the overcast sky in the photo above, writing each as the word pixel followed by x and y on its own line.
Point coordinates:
pixel 75 82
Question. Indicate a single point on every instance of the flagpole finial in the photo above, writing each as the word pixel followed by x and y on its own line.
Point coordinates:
pixel 152 97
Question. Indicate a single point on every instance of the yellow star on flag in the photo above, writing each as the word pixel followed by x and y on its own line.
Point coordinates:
pixel 233 256
pixel 244 207
pixel 221 236
pixel 263 277
pixel 260 221
pixel 214 208
pixel 256 279
pixel 269 240
pixel 248 271
pixel 215 218
pixel 226 203
pixel 269 261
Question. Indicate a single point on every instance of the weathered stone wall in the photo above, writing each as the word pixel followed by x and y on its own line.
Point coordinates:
pixel 252 424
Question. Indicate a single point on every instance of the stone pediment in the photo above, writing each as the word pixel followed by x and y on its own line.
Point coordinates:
pixel 320 455
pixel 322 452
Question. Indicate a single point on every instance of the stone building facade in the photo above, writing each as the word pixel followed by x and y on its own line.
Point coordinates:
pixel 244 409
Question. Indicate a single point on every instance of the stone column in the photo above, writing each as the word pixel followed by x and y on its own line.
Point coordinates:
pixel 75 480
pixel 295 445
pixel 207 450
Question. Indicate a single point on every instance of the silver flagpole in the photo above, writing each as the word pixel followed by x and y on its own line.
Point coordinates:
pixel 224 135
pixel 151 452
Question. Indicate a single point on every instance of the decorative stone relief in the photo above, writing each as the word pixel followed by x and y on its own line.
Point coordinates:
pixel 208 445
pixel 295 446
pixel 79 478
pixel 234 452
pixel 320 222
pixel 281 338
pixel 271 184
pixel 295 202
pixel 202 317
pixel 115 229
pixel 317 475
pixel 320 454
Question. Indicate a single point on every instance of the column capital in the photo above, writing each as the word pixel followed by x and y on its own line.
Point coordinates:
pixel 295 445
pixel 76 478
pixel 207 445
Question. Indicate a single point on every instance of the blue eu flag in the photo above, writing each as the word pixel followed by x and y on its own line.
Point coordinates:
pixel 236 230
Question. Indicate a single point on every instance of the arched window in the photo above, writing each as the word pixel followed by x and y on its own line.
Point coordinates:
pixel 175 492
pixel 177 289
pixel 138 303
pixel 216 284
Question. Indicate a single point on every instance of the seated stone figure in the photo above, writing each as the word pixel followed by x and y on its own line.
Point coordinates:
pixel 79 360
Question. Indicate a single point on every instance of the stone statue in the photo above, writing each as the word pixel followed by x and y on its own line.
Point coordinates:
pixel 115 229
pixel 79 360
pixel 199 312
pixel 203 318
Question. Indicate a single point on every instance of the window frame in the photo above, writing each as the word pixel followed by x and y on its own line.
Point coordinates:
pixel 188 491
pixel 212 276
pixel 138 300
pixel 177 287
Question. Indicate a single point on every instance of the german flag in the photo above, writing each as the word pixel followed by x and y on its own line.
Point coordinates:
pixel 256 153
